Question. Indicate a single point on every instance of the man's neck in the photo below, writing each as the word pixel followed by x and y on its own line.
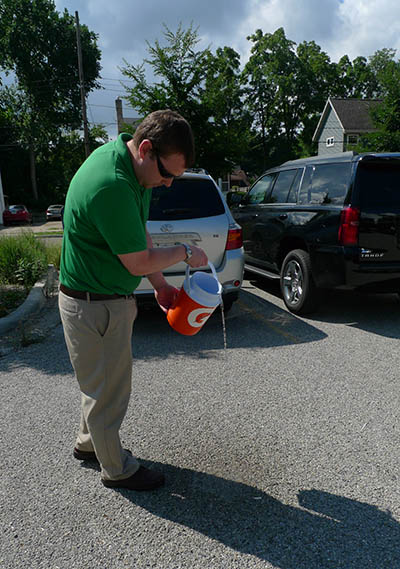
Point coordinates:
pixel 133 154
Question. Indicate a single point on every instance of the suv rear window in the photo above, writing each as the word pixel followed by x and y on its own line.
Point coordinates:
pixel 379 183
pixel 186 198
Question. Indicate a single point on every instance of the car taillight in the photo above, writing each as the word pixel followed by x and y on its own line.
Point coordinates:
pixel 235 239
pixel 349 224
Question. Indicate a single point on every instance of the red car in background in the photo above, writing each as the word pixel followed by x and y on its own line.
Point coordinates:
pixel 16 214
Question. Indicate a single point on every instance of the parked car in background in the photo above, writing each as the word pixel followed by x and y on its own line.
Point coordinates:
pixel 193 211
pixel 16 214
pixel 54 212
pixel 325 222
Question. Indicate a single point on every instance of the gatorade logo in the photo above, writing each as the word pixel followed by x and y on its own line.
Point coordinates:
pixel 197 317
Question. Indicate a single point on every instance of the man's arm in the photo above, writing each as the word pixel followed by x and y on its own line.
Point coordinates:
pixel 165 293
pixel 153 260
pixel 136 262
pixel 156 279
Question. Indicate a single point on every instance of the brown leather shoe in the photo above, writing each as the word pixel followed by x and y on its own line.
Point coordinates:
pixel 143 479
pixel 89 455
pixel 85 455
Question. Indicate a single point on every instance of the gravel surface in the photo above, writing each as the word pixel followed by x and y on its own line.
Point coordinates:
pixel 280 452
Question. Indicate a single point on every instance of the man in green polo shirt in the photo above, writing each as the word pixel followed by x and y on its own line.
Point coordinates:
pixel 106 250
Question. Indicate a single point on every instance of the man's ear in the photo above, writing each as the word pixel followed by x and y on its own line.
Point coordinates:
pixel 145 147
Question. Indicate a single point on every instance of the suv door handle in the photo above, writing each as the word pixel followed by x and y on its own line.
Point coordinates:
pixel 282 216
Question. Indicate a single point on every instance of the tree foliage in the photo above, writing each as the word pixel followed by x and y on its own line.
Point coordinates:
pixel 38 45
pixel 228 122
pixel 253 116
pixel 203 87
pixel 386 115
pixel 285 90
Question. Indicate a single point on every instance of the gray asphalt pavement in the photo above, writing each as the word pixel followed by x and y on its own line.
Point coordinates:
pixel 281 452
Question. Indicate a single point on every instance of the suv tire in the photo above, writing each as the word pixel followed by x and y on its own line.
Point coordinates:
pixel 297 285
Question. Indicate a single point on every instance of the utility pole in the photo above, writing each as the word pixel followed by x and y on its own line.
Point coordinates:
pixel 82 85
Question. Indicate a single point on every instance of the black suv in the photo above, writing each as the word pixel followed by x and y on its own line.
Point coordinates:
pixel 325 222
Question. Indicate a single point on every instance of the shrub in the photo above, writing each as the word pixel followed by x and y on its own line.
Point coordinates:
pixel 23 259
pixel 53 255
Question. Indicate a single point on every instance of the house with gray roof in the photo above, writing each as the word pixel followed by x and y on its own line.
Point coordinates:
pixel 341 124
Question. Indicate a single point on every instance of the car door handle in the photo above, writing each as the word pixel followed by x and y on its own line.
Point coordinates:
pixel 254 216
pixel 282 216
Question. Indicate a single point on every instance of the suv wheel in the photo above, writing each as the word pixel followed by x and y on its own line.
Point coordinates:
pixel 297 285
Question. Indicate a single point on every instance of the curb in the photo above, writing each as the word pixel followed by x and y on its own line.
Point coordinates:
pixel 33 303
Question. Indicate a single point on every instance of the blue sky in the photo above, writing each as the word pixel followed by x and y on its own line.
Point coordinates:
pixel 352 27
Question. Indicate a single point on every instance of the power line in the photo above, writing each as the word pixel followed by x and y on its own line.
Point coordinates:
pixel 116 79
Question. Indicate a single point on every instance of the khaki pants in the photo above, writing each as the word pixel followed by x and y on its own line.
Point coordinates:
pixel 98 336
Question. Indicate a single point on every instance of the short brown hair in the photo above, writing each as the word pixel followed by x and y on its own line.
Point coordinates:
pixel 169 133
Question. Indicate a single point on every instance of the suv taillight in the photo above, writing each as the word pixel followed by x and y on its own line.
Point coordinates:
pixel 234 240
pixel 349 223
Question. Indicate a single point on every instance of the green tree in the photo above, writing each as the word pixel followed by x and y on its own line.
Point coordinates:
pixel 204 87
pixel 316 73
pixel 29 129
pixel 229 122
pixel 259 99
pixel 14 160
pixel 57 163
pixel 38 45
pixel 275 93
pixel 354 79
pixel 386 115
pixel 179 71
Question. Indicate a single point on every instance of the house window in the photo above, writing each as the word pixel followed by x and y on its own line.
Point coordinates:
pixel 330 141
pixel 352 139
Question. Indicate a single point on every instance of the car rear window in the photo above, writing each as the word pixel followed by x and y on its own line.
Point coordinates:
pixel 379 184
pixel 186 198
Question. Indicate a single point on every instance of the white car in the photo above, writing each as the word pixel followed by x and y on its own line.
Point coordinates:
pixel 194 211
pixel 54 212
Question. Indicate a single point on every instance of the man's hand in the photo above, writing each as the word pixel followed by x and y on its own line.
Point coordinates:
pixel 198 258
pixel 166 296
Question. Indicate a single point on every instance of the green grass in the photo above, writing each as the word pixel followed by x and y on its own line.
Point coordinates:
pixel 53 254
pixel 23 260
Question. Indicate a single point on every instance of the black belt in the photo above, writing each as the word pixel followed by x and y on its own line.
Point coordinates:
pixel 89 296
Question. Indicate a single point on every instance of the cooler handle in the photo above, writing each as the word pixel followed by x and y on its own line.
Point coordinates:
pixel 188 267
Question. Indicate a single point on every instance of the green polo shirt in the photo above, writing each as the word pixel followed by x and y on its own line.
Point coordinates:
pixel 105 215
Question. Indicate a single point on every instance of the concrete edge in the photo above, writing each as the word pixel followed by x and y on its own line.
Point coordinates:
pixel 33 303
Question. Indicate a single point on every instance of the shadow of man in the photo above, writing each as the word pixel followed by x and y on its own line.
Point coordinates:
pixel 325 531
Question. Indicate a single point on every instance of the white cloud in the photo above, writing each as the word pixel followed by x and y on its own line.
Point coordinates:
pixel 345 27
pixel 305 21
pixel 367 26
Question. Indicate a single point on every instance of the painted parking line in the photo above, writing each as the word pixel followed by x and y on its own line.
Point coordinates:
pixel 274 327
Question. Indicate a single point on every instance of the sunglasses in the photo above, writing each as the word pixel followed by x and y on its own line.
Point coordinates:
pixel 163 172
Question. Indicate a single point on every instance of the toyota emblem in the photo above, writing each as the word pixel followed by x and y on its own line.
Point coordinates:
pixel 166 228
